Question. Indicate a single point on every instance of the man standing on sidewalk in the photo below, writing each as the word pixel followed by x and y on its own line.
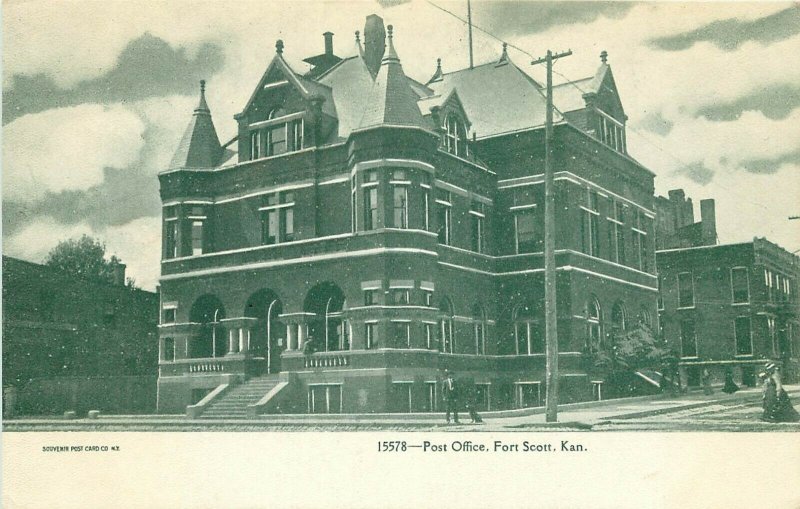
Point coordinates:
pixel 450 396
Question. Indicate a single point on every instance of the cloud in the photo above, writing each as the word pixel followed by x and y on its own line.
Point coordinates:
pixel 768 165
pixel 137 243
pixel 774 101
pixel 147 67
pixel 729 34
pixel 656 123
pixel 67 149
pixel 697 172
pixel 507 19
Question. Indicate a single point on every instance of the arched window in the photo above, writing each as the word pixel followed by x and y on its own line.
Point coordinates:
pixel 479 329
pixel 279 137
pixel 527 331
pixel 618 317
pixel 446 343
pixel 645 318
pixel 210 342
pixel 593 324
pixel 455 139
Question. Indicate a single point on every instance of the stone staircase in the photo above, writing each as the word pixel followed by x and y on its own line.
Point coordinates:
pixel 233 403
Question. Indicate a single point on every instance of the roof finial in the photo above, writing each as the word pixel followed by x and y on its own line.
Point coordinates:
pixel 202 105
pixel 202 86
pixel 439 65
pixel 279 46
pixel 390 54
pixel 604 56
pixel 358 37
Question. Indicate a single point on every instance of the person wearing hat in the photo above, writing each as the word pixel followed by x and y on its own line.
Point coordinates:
pixel 730 386
pixel 450 393
pixel 777 405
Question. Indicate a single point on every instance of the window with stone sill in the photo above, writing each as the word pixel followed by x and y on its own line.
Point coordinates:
pixel 455 138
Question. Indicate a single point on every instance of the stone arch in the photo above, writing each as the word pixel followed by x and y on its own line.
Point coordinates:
pixel 327 326
pixel 268 335
pixel 208 311
pixel 479 328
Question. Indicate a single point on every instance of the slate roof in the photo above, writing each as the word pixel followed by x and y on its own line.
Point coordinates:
pixel 199 147
pixel 350 82
pixel 392 101
pixel 497 98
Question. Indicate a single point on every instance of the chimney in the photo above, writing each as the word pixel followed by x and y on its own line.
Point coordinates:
pixel 374 42
pixel 328 43
pixel 119 274
pixel 708 221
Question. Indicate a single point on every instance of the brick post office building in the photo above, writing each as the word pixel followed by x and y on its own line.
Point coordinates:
pixel 397 226
pixel 724 307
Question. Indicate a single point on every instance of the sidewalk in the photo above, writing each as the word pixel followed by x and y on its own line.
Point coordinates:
pixel 576 416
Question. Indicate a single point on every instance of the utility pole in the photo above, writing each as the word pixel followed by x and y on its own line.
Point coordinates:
pixel 551 317
pixel 469 24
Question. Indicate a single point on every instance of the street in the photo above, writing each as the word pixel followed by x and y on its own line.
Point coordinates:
pixel 689 412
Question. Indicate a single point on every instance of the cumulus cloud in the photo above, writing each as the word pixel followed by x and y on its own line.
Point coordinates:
pixel 147 67
pixel 775 101
pixel 729 34
pixel 67 149
pixel 137 243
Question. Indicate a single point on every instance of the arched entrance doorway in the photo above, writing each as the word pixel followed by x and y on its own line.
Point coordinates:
pixel 268 337
pixel 210 342
pixel 328 329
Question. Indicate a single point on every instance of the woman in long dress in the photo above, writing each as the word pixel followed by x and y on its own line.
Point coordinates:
pixel 777 405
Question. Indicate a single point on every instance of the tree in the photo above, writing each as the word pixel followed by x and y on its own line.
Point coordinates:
pixel 630 351
pixel 85 257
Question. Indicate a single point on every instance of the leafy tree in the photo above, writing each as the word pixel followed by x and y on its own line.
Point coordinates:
pixel 85 257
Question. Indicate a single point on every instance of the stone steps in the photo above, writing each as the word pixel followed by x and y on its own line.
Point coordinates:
pixel 234 403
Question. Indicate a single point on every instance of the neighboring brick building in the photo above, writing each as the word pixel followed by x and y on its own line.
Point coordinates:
pixel 399 225
pixel 56 325
pixel 723 306
pixel 675 226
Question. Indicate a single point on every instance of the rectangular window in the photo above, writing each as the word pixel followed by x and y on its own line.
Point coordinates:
pixel 169 350
pixel 401 334
pixel 685 290
pixel 255 145
pixel 400 200
pixel 369 336
pixel 171 238
pixel 197 238
pixel 168 316
pixel 427 298
pixel 525 227
pixel 400 296
pixel 277 218
pixel 444 206
pixel 742 332
pixel 590 226
pixel 529 394
pixel 740 286
pixel 430 403
pixel 477 214
pixel 276 140
pixel 688 338
pixel 429 341
pixel 426 197
pixel 370 208
pixel 295 129
pixel 370 297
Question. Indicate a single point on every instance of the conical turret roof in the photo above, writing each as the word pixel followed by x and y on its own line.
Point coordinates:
pixel 199 146
pixel 391 100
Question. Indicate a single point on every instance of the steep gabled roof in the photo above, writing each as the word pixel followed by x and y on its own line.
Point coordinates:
pixel 392 101
pixel 350 82
pixel 199 147
pixel 498 97
pixel 307 88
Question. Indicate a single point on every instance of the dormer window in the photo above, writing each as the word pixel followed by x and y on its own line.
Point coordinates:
pixel 277 137
pixel 455 138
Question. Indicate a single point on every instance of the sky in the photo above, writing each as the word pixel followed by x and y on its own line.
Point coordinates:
pixel 97 94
